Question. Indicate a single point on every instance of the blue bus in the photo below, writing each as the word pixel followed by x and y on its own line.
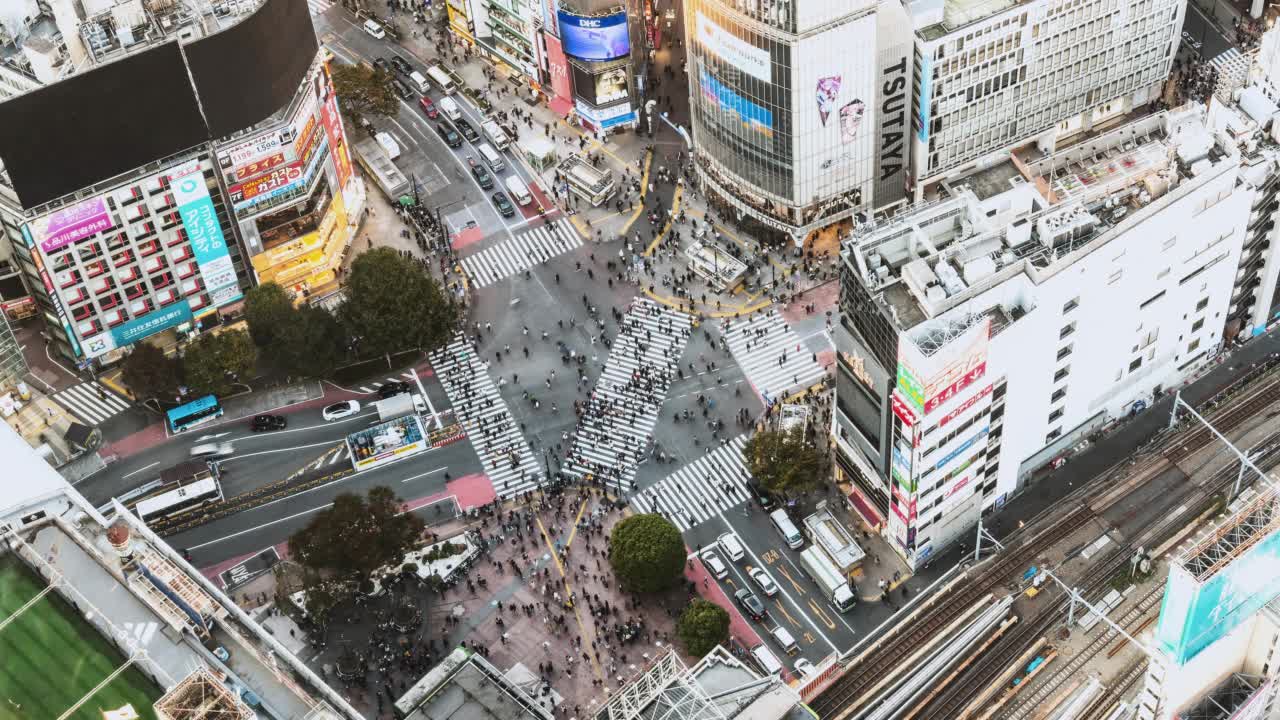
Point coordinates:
pixel 194 413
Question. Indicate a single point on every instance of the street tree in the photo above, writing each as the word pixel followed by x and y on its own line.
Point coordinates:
pixel 321 594
pixel 268 309
pixel 214 363
pixel 702 626
pixel 783 462
pixel 647 553
pixel 393 304
pixel 149 373
pixel 311 345
pixel 364 91
pixel 357 535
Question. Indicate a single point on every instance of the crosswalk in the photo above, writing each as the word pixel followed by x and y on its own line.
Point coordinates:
pixel 372 386
pixel 318 7
pixel 614 432
pixel 521 252
pixel 771 355
pixel 91 402
pixel 700 490
pixel 332 457
pixel 477 404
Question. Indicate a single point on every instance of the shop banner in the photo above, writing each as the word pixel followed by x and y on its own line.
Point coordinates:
pixel 557 66
pixel 151 323
pixel 332 121
pixel 77 222
pixel 201 223
pixel 973 400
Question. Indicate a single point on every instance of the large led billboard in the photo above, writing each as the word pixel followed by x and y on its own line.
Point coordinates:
pixel 595 38
pixel 928 381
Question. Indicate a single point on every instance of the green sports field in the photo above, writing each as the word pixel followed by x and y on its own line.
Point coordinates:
pixel 50 657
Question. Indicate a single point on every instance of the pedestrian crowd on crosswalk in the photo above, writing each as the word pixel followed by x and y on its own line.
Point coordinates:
pixel 497 438
pixel 615 425
pixel 700 490
pixel 771 354
pixel 520 253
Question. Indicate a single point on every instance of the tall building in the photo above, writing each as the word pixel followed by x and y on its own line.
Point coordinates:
pixel 984 334
pixel 991 75
pixel 126 228
pixel 799 110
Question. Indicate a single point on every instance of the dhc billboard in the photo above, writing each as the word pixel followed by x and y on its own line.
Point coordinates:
pixel 1193 616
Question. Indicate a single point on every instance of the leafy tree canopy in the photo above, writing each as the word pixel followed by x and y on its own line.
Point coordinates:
pixel 647 553
pixel 364 91
pixel 783 462
pixel 311 345
pixel 213 363
pixel 393 304
pixel 357 535
pixel 702 626
pixel 268 309
pixel 149 372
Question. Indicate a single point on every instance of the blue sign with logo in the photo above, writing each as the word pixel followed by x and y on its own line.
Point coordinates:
pixel 595 38
pixel 151 323
pixel 962 447
pixel 201 223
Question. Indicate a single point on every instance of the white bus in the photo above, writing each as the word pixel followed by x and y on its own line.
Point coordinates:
pixel 441 80
pixel 824 574
pixel 202 491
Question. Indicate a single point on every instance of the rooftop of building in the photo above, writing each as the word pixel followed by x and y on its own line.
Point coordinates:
pixel 120 593
pixel 465 686
pixel 955 14
pixel 1028 218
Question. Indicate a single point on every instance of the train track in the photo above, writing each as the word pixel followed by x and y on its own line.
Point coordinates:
pixel 1230 408
pixel 1102 706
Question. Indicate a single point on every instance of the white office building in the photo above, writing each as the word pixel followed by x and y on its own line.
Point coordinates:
pixel 992 75
pixel 986 333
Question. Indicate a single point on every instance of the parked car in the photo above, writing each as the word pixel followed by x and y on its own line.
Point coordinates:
pixel 400 64
pixel 401 89
pixel 762 497
pixel 467 131
pixel 766 583
pixel 264 423
pixel 212 450
pixel 805 669
pixel 447 133
pixel 340 410
pixel 429 108
pixel 748 601
pixel 505 208
pixel 482 176
pixel 393 389
pixel 715 566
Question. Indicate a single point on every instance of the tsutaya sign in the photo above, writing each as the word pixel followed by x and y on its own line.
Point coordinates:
pixel 928 381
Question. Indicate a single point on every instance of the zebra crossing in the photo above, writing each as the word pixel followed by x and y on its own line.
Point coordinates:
pixel 373 386
pixel 318 7
pixel 615 430
pixel 521 252
pixel 765 347
pixel 700 490
pixel 91 402
pixel 477 404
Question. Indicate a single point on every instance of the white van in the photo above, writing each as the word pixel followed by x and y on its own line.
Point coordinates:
pixel 787 529
pixel 518 191
pixel 491 156
pixel 389 144
pixel 766 659
pixel 373 28
pixel 714 564
pixel 784 640
pixel 731 547
pixel 449 108
pixel 419 81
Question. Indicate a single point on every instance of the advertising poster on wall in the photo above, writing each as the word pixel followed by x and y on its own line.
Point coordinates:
pixel 150 324
pixel 207 243
pixel 747 115
pixel 38 259
pixel 929 381
pixel 77 222
pixel 733 50
pixel 332 121
pixel 558 67
pixel 595 38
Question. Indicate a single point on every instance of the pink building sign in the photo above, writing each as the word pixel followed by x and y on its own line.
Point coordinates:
pixel 75 223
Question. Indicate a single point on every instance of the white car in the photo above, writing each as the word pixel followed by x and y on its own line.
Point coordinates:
pixel 714 564
pixel 340 410
pixel 805 669
pixel 766 583
pixel 212 450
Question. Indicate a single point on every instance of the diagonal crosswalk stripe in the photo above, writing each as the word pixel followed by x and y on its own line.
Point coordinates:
pixel 521 252
pixel 700 490
pixel 91 402
pixel 765 347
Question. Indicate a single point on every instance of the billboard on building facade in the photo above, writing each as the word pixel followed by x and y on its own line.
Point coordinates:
pixel 749 116
pixel 595 38
pixel 733 50
pixel 199 219
pixel 895 49
pixel 929 381
pixel 557 67
pixel 332 121
pixel 153 322
pixel 50 289
pixel 79 221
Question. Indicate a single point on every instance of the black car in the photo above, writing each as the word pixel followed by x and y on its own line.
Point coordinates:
pixel 467 131
pixel 392 389
pixel 383 65
pixel 751 604
pixel 763 497
pixel 401 89
pixel 265 423
pixel 399 64
pixel 446 133
pixel 505 208
pixel 482 176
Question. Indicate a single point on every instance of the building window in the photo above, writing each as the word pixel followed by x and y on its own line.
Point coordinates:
pixel 1194 344
pixel 1072 304
pixel 1052 436
pixel 1065 351
pixel 1204 303
pixel 1135 364
pixel 1055 414
pixel 1062 373
pixel 1058 395
pixel 1115 277
pixel 1066 331
pixel 1195 326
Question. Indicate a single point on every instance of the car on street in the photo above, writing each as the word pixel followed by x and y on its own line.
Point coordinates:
pixel 265 423
pixel 715 566
pixel 383 65
pixel 762 497
pixel 766 583
pixel 400 64
pixel 401 89
pixel 340 410
pixel 748 601
pixel 467 131
pixel 505 208
pixel 213 450
pixel 429 108
pixel 448 134
pixel 393 389
pixel 805 669
pixel 482 176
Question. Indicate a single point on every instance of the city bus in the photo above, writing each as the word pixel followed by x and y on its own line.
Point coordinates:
pixel 441 80
pixel 201 488
pixel 194 413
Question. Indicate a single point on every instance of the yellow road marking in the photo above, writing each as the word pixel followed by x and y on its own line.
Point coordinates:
pixel 568 590
pixel 822 615
pixel 573 533
pixel 644 191
pixel 798 587
pixel 675 210
pixel 784 612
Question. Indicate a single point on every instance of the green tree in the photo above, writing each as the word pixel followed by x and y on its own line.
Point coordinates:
pixel 357 535
pixel 311 344
pixel 268 309
pixel 393 304
pixel 647 553
pixel 702 626
pixel 783 462
pixel 213 363
pixel 364 91
pixel 149 372
pixel 322 595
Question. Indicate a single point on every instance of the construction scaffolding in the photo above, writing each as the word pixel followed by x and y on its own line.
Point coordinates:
pixel 202 696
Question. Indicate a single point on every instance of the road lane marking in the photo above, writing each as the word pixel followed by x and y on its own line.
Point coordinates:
pixel 783 590
pixel 422 475
pixel 822 615
pixel 799 588
pixel 568 590
pixel 784 612
pixel 135 472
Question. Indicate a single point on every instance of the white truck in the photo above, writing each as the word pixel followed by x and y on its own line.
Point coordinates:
pixel 496 135
pixel 825 531
pixel 831 581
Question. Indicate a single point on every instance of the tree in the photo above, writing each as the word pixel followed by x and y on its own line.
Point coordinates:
pixel 647 553
pixel 783 462
pixel 268 309
pixel 311 344
pixel 702 626
pixel 323 594
pixel 393 304
pixel 213 363
pixel 149 372
pixel 357 535
pixel 363 91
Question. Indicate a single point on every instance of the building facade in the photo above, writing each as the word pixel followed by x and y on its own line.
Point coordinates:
pixel 987 333
pixel 991 76
pixel 799 110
